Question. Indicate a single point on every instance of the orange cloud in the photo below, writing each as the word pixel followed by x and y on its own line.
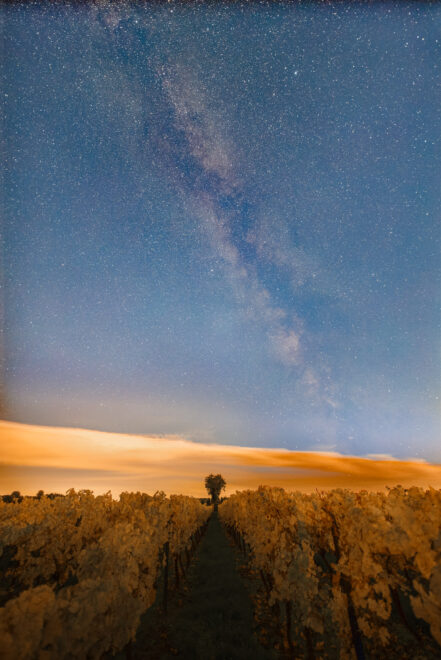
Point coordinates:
pixel 55 459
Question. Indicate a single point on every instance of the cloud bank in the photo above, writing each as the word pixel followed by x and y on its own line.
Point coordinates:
pixel 56 459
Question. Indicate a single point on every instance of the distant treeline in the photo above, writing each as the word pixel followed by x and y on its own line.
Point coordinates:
pixel 16 496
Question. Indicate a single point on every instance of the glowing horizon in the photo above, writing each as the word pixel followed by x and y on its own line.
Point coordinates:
pixel 55 459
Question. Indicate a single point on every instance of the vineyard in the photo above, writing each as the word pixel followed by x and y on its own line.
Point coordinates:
pixel 348 575
pixel 80 570
pixel 340 574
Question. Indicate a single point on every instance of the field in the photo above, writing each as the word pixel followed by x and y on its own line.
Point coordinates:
pixel 341 574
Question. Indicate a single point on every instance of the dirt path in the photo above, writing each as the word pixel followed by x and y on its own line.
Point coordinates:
pixel 211 618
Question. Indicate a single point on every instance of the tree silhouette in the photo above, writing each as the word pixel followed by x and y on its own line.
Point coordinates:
pixel 214 483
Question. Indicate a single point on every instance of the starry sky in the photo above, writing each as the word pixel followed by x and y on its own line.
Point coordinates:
pixel 222 222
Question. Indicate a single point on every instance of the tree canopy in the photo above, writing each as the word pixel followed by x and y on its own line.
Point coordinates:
pixel 214 483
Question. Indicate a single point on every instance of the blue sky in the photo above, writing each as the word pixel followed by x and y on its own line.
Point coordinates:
pixel 223 222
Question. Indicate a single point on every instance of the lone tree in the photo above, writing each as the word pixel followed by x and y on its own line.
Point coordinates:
pixel 214 483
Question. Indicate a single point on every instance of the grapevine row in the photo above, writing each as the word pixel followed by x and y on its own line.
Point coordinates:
pixel 346 561
pixel 82 569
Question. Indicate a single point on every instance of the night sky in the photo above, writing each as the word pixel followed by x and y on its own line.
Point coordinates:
pixel 223 222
